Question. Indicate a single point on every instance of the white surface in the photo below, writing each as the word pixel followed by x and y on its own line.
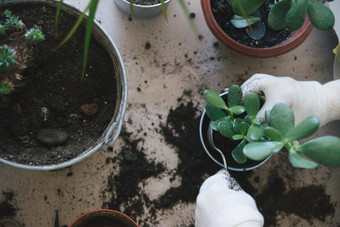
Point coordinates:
pixel 177 60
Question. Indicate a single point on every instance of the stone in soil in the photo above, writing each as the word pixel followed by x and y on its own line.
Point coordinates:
pixel 52 137
pixel 89 109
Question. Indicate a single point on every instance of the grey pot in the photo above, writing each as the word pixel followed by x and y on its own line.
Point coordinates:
pixel 113 129
pixel 141 12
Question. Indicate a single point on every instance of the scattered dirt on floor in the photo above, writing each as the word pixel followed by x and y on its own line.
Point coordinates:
pixel 7 210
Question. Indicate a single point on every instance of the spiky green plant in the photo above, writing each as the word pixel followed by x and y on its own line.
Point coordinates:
pixel 35 35
pixel 259 140
pixel 5 89
pixel 12 21
pixel 8 58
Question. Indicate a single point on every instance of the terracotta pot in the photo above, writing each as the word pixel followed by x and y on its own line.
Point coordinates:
pixel 219 147
pixel 104 217
pixel 295 40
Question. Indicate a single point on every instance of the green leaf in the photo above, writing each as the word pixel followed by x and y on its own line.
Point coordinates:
pixel 241 22
pixel 237 110
pixel 243 128
pixel 237 153
pixel 214 99
pixel 247 120
pixel 296 15
pixel 281 118
pixel 320 15
pixel 300 162
pixel 236 124
pixel 246 7
pixel 252 103
pixel 230 2
pixel 277 15
pixel 5 89
pixel 226 128
pixel 272 134
pixel 237 137
pixel 234 95
pixel 254 133
pixel 214 124
pixel 306 128
pixel 261 150
pixel 214 113
pixel 324 150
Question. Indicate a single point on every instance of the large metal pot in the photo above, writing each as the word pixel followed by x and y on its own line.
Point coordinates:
pixel 113 129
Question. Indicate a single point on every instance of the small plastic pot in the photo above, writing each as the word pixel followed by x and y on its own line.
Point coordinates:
pixel 224 144
pixel 141 12
pixel 294 41
pixel 104 217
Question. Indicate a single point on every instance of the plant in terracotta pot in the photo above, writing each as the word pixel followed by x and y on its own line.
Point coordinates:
pixel 259 140
pixel 262 28
pixel 49 117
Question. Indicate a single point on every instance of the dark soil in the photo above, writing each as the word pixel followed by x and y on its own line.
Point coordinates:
pixel 7 210
pixel 146 2
pixel 223 13
pixel 181 132
pixel 53 80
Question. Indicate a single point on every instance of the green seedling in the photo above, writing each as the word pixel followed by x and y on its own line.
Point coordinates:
pixel 35 35
pixel 12 21
pixel 8 58
pixel 259 140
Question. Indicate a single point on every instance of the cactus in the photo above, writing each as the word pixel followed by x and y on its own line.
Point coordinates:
pixel 16 52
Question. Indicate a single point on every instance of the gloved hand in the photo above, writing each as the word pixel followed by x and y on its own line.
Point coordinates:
pixel 305 98
pixel 221 202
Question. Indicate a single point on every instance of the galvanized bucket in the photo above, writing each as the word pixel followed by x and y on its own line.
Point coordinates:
pixel 114 127
pixel 141 12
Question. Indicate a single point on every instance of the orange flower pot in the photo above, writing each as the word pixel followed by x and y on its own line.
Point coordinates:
pixel 295 40
pixel 104 217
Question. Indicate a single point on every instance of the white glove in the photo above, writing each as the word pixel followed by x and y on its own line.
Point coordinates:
pixel 305 98
pixel 221 202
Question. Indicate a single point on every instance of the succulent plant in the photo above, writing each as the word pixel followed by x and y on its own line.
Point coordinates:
pixel 259 140
pixel 35 35
pixel 8 58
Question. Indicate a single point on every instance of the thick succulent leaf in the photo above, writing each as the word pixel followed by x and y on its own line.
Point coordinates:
pixel 237 153
pixel 324 150
pixel 243 128
pixel 320 15
pixel 241 22
pixel 214 113
pixel 214 124
pixel 238 137
pixel 272 134
pixel 306 128
pixel 277 15
pixel 237 110
pixel 246 7
pixel 214 99
pixel 226 128
pixel 300 162
pixel 254 133
pixel 236 124
pixel 296 15
pixel 281 118
pixel 252 103
pixel 234 95
pixel 247 120
pixel 260 150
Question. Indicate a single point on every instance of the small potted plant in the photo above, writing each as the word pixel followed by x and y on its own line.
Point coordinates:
pixel 262 28
pixel 143 9
pixel 259 140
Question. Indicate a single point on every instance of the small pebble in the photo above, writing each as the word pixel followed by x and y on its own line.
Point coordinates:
pixel 89 109
pixel 52 137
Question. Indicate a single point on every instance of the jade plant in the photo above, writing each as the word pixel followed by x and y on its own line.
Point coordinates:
pixel 16 51
pixel 288 14
pixel 237 120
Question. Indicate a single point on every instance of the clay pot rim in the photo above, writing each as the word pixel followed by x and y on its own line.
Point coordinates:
pixel 104 210
pixel 295 40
